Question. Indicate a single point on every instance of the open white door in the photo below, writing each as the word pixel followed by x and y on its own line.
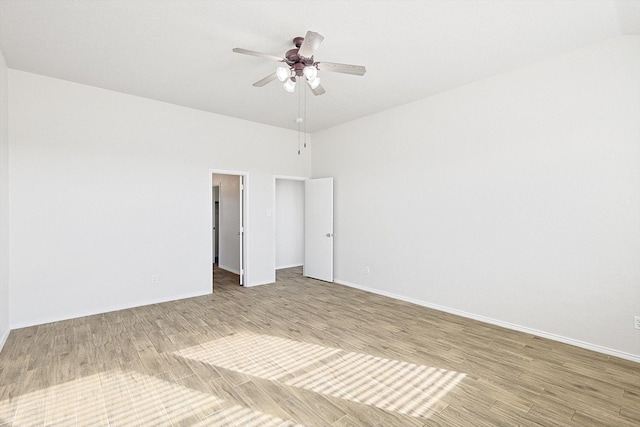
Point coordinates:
pixel 241 231
pixel 318 229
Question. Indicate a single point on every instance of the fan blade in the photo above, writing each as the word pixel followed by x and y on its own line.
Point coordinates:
pixel 310 44
pixel 271 77
pixel 319 90
pixel 260 54
pixel 356 70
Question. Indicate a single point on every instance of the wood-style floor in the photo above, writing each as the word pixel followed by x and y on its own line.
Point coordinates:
pixel 303 352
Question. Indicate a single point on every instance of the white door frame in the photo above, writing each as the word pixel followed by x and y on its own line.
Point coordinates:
pixel 213 220
pixel 244 259
pixel 273 203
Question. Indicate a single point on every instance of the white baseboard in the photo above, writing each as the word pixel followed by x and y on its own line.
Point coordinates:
pixel 267 282
pixel 288 266
pixel 229 269
pixel 41 321
pixel 3 338
pixel 554 337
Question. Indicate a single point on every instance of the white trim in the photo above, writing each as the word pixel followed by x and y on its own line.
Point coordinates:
pixel 245 232
pixel 229 269
pixel 512 326
pixel 3 339
pixel 226 172
pixel 291 178
pixel 26 324
pixel 288 266
pixel 266 282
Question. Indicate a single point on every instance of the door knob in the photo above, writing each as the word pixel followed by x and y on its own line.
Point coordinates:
pixel 329 234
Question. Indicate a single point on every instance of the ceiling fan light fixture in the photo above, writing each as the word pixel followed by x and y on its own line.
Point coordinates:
pixel 314 83
pixel 310 72
pixel 289 86
pixel 283 73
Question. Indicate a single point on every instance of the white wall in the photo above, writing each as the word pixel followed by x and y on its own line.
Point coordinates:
pixel 289 218
pixel 229 221
pixel 515 199
pixel 109 189
pixel 4 205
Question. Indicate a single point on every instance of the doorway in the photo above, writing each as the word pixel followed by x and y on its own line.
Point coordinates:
pixel 303 225
pixel 289 222
pixel 228 218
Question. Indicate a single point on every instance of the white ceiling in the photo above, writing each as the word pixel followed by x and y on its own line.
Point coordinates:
pixel 179 51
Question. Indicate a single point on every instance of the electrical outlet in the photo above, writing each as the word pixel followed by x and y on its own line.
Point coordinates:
pixel 154 279
pixel 366 270
pixel 636 322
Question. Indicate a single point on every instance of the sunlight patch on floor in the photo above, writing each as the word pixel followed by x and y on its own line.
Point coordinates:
pixel 388 384
pixel 242 416
pixel 126 398
pixel 263 356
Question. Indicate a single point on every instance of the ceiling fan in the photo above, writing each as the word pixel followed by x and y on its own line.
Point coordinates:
pixel 299 65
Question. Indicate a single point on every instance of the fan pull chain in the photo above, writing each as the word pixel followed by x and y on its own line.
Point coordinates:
pixel 299 119
pixel 304 88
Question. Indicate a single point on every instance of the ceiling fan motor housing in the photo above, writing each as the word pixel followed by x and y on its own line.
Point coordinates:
pixel 295 61
pixel 292 56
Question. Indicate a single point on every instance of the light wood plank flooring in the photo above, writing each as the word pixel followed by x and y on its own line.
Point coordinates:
pixel 303 352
